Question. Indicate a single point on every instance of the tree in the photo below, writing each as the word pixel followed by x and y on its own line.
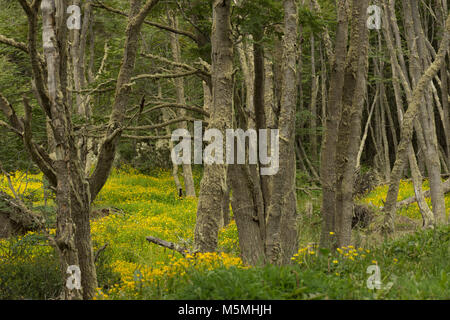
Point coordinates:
pixel 65 170
pixel 407 128
pixel 213 185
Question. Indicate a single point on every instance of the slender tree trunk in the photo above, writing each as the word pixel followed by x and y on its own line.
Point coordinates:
pixel 314 93
pixel 350 126
pixel 418 55
pixel 427 215
pixel 281 235
pixel 441 11
pixel 65 227
pixel 179 87
pixel 328 152
pixel 407 129
pixel 366 130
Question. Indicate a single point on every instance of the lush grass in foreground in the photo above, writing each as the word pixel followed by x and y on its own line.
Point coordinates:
pixel 131 268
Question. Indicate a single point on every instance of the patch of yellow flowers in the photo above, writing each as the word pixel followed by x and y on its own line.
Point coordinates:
pixel 406 190
pixel 351 253
pixel 149 206
pixel 134 276
pixel 152 207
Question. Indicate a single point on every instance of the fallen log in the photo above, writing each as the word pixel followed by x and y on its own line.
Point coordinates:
pixel 16 218
pixel 426 194
pixel 170 245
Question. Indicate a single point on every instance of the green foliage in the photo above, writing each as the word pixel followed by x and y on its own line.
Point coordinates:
pixel 29 269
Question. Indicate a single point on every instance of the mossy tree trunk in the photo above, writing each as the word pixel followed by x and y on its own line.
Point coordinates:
pixel 214 185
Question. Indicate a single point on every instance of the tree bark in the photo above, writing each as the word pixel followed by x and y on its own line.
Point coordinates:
pixel 65 227
pixel 281 235
pixel 407 129
pixel 350 125
pixel 213 185
pixel 179 87
pixel 328 152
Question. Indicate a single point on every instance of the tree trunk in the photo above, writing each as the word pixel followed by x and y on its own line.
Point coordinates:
pixel 313 108
pixel 281 234
pixel 350 125
pixel 328 152
pixel 213 185
pixel 65 227
pixel 407 129
pixel 179 87
pixel 418 62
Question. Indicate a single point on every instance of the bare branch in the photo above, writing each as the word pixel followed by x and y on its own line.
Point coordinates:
pixel 37 153
pixel 170 245
pixel 164 75
pixel 126 136
pixel 100 4
pixel 171 62
pixel 103 63
pixel 165 124
pixel 177 105
pixel 13 43
pixel 97 254
pixel 37 62
pixel 426 194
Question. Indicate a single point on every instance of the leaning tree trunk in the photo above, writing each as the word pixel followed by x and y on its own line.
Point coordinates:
pixel 442 9
pixel 399 76
pixel 407 129
pixel 418 61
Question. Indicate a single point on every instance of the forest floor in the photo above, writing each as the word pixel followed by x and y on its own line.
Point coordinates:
pixel 132 206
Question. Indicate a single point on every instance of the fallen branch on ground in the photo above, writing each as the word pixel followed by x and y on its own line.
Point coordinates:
pixel 97 254
pixel 169 245
pixel 426 194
